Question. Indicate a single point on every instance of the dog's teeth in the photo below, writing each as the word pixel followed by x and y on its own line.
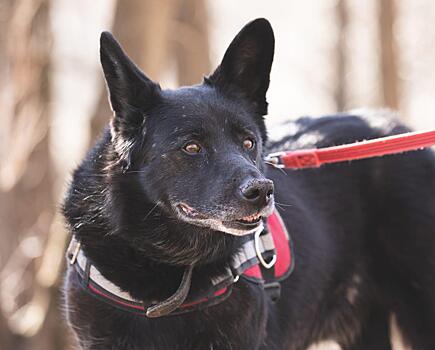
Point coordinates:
pixel 251 218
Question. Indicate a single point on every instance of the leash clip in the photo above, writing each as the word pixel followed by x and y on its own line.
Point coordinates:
pixel 266 265
pixel 274 159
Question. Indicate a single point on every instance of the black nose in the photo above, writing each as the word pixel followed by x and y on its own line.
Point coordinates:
pixel 257 191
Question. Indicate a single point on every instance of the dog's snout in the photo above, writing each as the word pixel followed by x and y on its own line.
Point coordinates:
pixel 257 191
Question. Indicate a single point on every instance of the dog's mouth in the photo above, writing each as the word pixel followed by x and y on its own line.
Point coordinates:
pixel 251 220
pixel 246 224
pixel 236 226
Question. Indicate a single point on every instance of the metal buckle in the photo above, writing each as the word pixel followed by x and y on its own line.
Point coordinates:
pixel 73 251
pixel 263 262
pixel 273 289
pixel 274 159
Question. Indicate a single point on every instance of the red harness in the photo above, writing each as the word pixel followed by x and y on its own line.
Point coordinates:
pixel 283 250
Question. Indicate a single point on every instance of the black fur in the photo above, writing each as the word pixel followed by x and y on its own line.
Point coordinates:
pixel 363 232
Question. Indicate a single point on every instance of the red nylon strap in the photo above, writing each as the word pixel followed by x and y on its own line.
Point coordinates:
pixel 314 158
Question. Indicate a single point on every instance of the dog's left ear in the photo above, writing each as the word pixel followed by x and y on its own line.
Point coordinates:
pixel 246 65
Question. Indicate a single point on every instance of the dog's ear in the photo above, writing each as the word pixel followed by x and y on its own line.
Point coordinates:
pixel 246 65
pixel 129 87
pixel 131 94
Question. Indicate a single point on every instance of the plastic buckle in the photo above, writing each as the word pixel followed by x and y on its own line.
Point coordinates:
pixel 73 251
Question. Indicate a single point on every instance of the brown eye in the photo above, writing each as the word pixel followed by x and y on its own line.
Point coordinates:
pixel 192 148
pixel 248 143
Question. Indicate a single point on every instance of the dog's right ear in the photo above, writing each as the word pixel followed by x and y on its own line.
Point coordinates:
pixel 131 95
pixel 245 68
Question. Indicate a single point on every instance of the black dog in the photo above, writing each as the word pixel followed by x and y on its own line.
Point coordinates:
pixel 171 192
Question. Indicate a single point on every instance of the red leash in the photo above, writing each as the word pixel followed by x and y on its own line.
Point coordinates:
pixel 314 158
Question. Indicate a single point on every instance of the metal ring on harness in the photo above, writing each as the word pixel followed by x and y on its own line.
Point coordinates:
pixel 263 262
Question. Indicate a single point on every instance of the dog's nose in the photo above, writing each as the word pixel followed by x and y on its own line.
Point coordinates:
pixel 257 191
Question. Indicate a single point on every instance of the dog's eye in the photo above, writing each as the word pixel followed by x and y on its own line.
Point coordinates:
pixel 192 148
pixel 248 143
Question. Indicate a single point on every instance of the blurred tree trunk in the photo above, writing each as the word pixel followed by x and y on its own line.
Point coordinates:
pixel 388 59
pixel 340 88
pixel 141 28
pixel 153 32
pixel 26 177
pixel 191 50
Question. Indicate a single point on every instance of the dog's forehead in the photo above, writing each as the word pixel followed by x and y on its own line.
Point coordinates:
pixel 203 104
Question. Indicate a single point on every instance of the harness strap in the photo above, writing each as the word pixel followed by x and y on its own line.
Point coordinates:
pixel 254 251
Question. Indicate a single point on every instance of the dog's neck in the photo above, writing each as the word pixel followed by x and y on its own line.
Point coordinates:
pixel 141 274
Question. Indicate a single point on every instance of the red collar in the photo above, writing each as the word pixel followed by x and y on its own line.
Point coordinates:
pixel 265 259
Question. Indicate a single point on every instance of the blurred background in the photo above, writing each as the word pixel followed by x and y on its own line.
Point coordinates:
pixel 331 55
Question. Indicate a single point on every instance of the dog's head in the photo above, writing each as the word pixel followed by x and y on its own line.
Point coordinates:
pixel 198 150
